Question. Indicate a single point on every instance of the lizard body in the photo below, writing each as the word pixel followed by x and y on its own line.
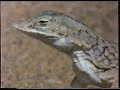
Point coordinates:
pixel 93 56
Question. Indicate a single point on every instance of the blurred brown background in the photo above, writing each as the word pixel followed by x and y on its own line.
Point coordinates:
pixel 29 63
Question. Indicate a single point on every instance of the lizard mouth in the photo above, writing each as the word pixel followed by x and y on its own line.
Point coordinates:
pixel 23 26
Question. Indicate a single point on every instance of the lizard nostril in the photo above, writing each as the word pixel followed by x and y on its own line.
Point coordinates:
pixel 30 26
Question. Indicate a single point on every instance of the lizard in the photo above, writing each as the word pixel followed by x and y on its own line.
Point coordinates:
pixel 93 57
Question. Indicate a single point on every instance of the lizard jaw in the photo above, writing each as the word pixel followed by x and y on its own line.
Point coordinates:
pixel 23 27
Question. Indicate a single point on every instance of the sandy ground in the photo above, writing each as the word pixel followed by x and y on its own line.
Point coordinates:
pixel 29 63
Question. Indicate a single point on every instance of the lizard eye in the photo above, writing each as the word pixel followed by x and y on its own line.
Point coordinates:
pixel 43 21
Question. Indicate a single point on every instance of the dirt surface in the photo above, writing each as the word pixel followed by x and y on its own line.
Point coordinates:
pixel 29 63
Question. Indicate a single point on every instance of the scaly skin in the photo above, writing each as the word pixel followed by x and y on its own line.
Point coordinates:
pixel 93 57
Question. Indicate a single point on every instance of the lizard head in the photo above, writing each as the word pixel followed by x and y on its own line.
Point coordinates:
pixel 46 23
pixel 48 26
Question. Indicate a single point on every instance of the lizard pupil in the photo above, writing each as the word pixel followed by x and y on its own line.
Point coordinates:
pixel 43 22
